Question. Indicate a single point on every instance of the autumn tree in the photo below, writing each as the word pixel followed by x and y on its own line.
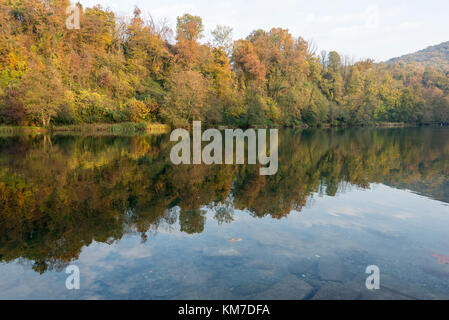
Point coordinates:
pixel 42 94
pixel 222 39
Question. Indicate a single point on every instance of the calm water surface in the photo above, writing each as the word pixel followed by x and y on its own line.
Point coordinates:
pixel 139 227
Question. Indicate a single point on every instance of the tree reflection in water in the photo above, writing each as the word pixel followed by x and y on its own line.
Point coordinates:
pixel 61 193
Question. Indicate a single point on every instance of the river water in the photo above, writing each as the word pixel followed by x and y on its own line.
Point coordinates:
pixel 139 227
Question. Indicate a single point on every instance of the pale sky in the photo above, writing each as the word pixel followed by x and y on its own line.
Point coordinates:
pixel 379 29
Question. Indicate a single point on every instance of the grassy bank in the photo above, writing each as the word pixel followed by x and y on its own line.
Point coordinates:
pixel 97 128
pixel 6 130
pixel 116 128
pixel 130 128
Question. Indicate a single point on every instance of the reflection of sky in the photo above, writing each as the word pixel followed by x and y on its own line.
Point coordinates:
pixel 395 229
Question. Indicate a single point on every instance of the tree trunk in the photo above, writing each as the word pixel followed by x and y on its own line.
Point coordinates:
pixel 46 121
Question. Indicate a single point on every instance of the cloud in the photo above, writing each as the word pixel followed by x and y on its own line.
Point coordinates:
pixel 173 10
pixel 372 17
pixel 409 26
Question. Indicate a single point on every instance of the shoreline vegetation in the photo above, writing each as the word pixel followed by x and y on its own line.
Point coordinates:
pixel 117 75
pixel 91 129
pixel 158 128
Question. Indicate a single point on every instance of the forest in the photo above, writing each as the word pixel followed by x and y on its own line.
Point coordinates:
pixel 115 69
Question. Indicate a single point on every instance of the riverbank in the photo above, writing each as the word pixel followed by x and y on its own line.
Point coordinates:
pixel 130 128
pixel 98 128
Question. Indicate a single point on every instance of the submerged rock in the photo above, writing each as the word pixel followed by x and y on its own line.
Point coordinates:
pixel 336 291
pixel 330 268
pixel 409 289
pixel 302 266
pixel 251 287
pixel 441 259
pixel 392 288
pixel 382 294
pixel 289 288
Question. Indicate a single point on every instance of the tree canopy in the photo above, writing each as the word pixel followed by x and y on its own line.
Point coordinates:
pixel 118 70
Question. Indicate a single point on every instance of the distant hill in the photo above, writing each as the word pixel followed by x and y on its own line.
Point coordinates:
pixel 436 56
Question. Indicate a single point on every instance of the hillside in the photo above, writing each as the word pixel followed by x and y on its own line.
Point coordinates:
pixel 437 56
pixel 113 70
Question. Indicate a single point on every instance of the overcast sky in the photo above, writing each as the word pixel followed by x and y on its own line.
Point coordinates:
pixel 380 29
